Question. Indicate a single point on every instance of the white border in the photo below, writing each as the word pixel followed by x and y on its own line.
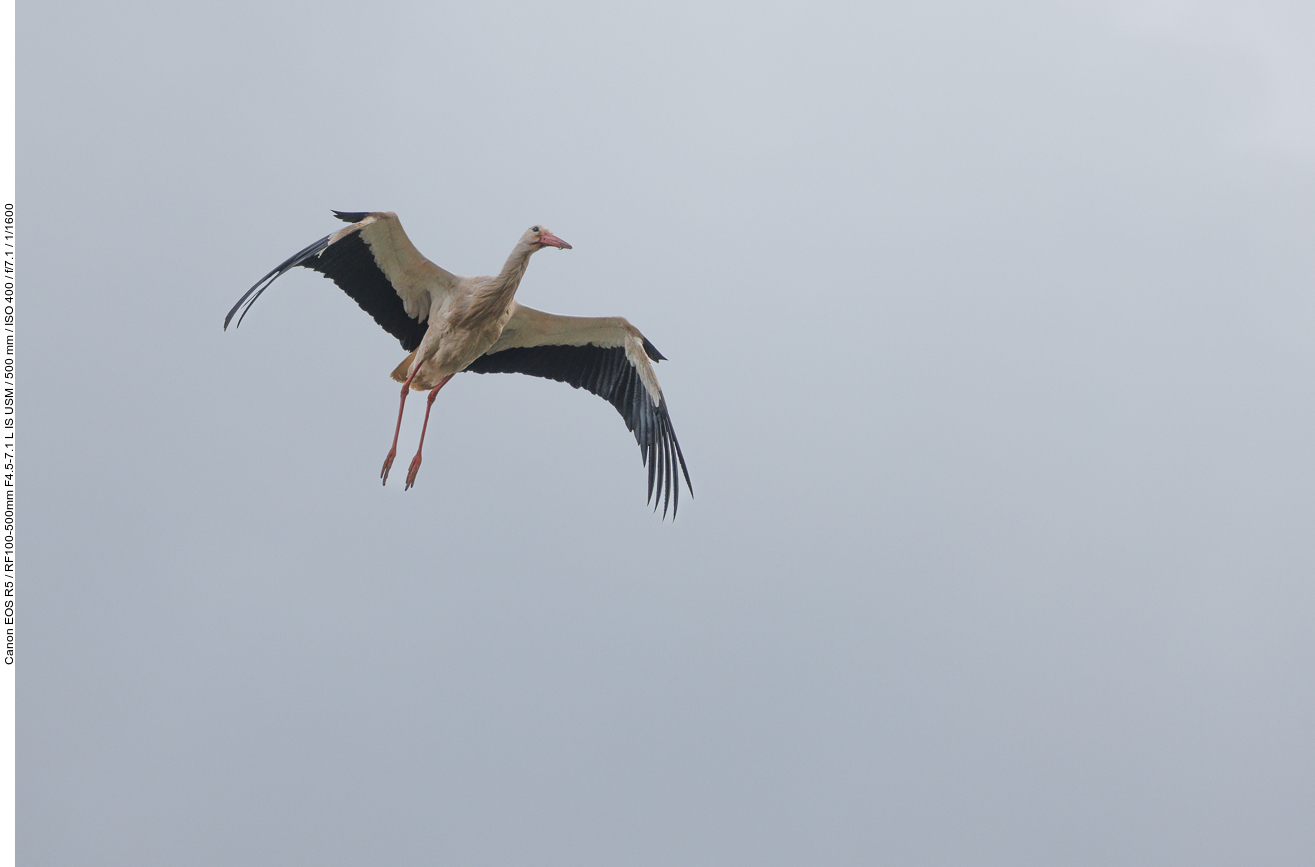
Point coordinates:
pixel 7 183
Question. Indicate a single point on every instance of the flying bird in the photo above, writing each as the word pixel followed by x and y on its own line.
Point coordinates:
pixel 450 323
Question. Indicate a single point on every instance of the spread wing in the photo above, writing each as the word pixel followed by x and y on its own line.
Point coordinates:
pixel 374 262
pixel 609 357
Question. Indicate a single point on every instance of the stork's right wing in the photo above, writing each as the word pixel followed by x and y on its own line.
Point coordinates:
pixel 609 357
pixel 375 263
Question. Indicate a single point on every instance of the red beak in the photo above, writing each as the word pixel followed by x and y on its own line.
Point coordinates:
pixel 548 239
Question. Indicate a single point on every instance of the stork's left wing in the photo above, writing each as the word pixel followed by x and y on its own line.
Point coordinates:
pixel 609 357
pixel 375 263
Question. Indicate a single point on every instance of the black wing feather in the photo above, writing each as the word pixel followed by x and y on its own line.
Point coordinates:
pixel 263 283
pixel 607 372
pixel 349 263
pixel 652 352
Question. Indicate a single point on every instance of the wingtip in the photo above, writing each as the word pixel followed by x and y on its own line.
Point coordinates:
pixel 651 351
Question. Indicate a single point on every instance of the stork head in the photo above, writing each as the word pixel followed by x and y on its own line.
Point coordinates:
pixel 538 237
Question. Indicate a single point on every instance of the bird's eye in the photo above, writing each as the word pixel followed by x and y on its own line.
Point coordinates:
pixel 534 228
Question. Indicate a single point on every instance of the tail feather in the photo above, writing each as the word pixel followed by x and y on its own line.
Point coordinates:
pixel 399 372
pixel 425 378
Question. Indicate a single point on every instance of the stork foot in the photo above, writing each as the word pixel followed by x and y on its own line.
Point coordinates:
pixel 388 465
pixel 411 473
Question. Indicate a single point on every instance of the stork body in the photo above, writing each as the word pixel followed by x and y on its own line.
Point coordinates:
pixel 451 323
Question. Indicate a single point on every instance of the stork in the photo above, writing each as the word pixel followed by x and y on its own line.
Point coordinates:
pixel 450 323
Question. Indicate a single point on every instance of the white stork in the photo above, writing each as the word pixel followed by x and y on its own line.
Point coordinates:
pixel 451 323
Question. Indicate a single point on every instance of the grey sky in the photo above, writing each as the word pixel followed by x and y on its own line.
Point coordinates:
pixel 990 350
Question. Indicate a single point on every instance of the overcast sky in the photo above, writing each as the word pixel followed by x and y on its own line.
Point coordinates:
pixel 990 340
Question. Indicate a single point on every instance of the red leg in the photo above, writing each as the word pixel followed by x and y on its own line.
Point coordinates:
pixel 415 461
pixel 392 452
